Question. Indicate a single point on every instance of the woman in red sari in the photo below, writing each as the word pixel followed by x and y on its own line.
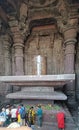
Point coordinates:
pixel 60 120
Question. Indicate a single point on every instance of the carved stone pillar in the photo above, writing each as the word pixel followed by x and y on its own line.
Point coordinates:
pixel 7 62
pixel 13 61
pixel 7 55
pixel 19 59
pixel 70 39
pixel 17 54
pixel 18 47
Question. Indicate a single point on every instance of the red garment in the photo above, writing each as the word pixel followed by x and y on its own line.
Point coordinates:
pixel 17 111
pixel 60 120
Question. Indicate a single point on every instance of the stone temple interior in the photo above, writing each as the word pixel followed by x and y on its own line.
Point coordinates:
pixel 39 52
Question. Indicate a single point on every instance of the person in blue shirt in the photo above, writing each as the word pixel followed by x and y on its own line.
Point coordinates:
pixel 39 115
pixel 3 117
pixel 22 112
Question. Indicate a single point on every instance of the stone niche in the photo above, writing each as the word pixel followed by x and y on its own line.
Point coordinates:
pixel 48 47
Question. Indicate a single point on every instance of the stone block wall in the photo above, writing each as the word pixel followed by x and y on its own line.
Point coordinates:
pixel 2 71
pixel 2 68
pixel 77 69
pixel 5 65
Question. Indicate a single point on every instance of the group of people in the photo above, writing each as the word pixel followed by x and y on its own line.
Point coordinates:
pixel 26 117
pixel 21 115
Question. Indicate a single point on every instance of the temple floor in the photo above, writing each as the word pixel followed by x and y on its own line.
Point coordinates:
pixel 49 116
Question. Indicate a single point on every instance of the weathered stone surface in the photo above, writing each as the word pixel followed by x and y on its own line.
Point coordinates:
pixel 40 20
pixel 20 128
pixel 42 46
pixel 38 95
pixel 69 66
pixel 39 65
pixel 61 77
pixel 23 12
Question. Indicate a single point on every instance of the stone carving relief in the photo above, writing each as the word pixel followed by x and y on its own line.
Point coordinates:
pixel 23 21
pixel 45 45
pixel 67 20
pixel 71 23
pixel 23 12
pixel 63 10
pixel 41 3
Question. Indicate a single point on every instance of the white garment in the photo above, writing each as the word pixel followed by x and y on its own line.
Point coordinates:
pixel 2 119
pixel 14 125
pixel 7 111
pixel 13 113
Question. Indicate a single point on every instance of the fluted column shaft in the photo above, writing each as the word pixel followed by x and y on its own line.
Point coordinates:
pixel 7 61
pixel 7 57
pixel 70 40
pixel 19 59
pixel 18 47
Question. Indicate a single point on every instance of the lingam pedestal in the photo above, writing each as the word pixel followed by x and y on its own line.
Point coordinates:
pixel 33 95
pixel 38 88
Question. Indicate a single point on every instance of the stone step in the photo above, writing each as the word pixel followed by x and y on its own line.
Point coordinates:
pixel 37 95
pixel 38 80
pixel 38 89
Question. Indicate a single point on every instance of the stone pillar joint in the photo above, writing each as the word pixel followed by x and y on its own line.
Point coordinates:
pixel 70 41
pixel 13 22
pixel 16 45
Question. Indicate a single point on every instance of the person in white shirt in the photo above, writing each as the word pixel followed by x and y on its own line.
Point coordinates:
pixel 8 114
pixel 13 114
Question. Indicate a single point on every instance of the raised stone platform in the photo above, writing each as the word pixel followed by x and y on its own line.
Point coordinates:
pixel 41 93
pixel 38 80
pixel 46 84
pixel 38 95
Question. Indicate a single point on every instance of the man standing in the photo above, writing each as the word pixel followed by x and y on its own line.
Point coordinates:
pixel 39 116
pixel 22 112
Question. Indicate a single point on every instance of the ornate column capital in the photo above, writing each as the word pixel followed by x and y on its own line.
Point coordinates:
pixel 19 27
pixel 13 22
pixel 63 9
pixel 70 30
pixel 70 27
pixel 23 20
pixel 6 37
pixel 7 42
